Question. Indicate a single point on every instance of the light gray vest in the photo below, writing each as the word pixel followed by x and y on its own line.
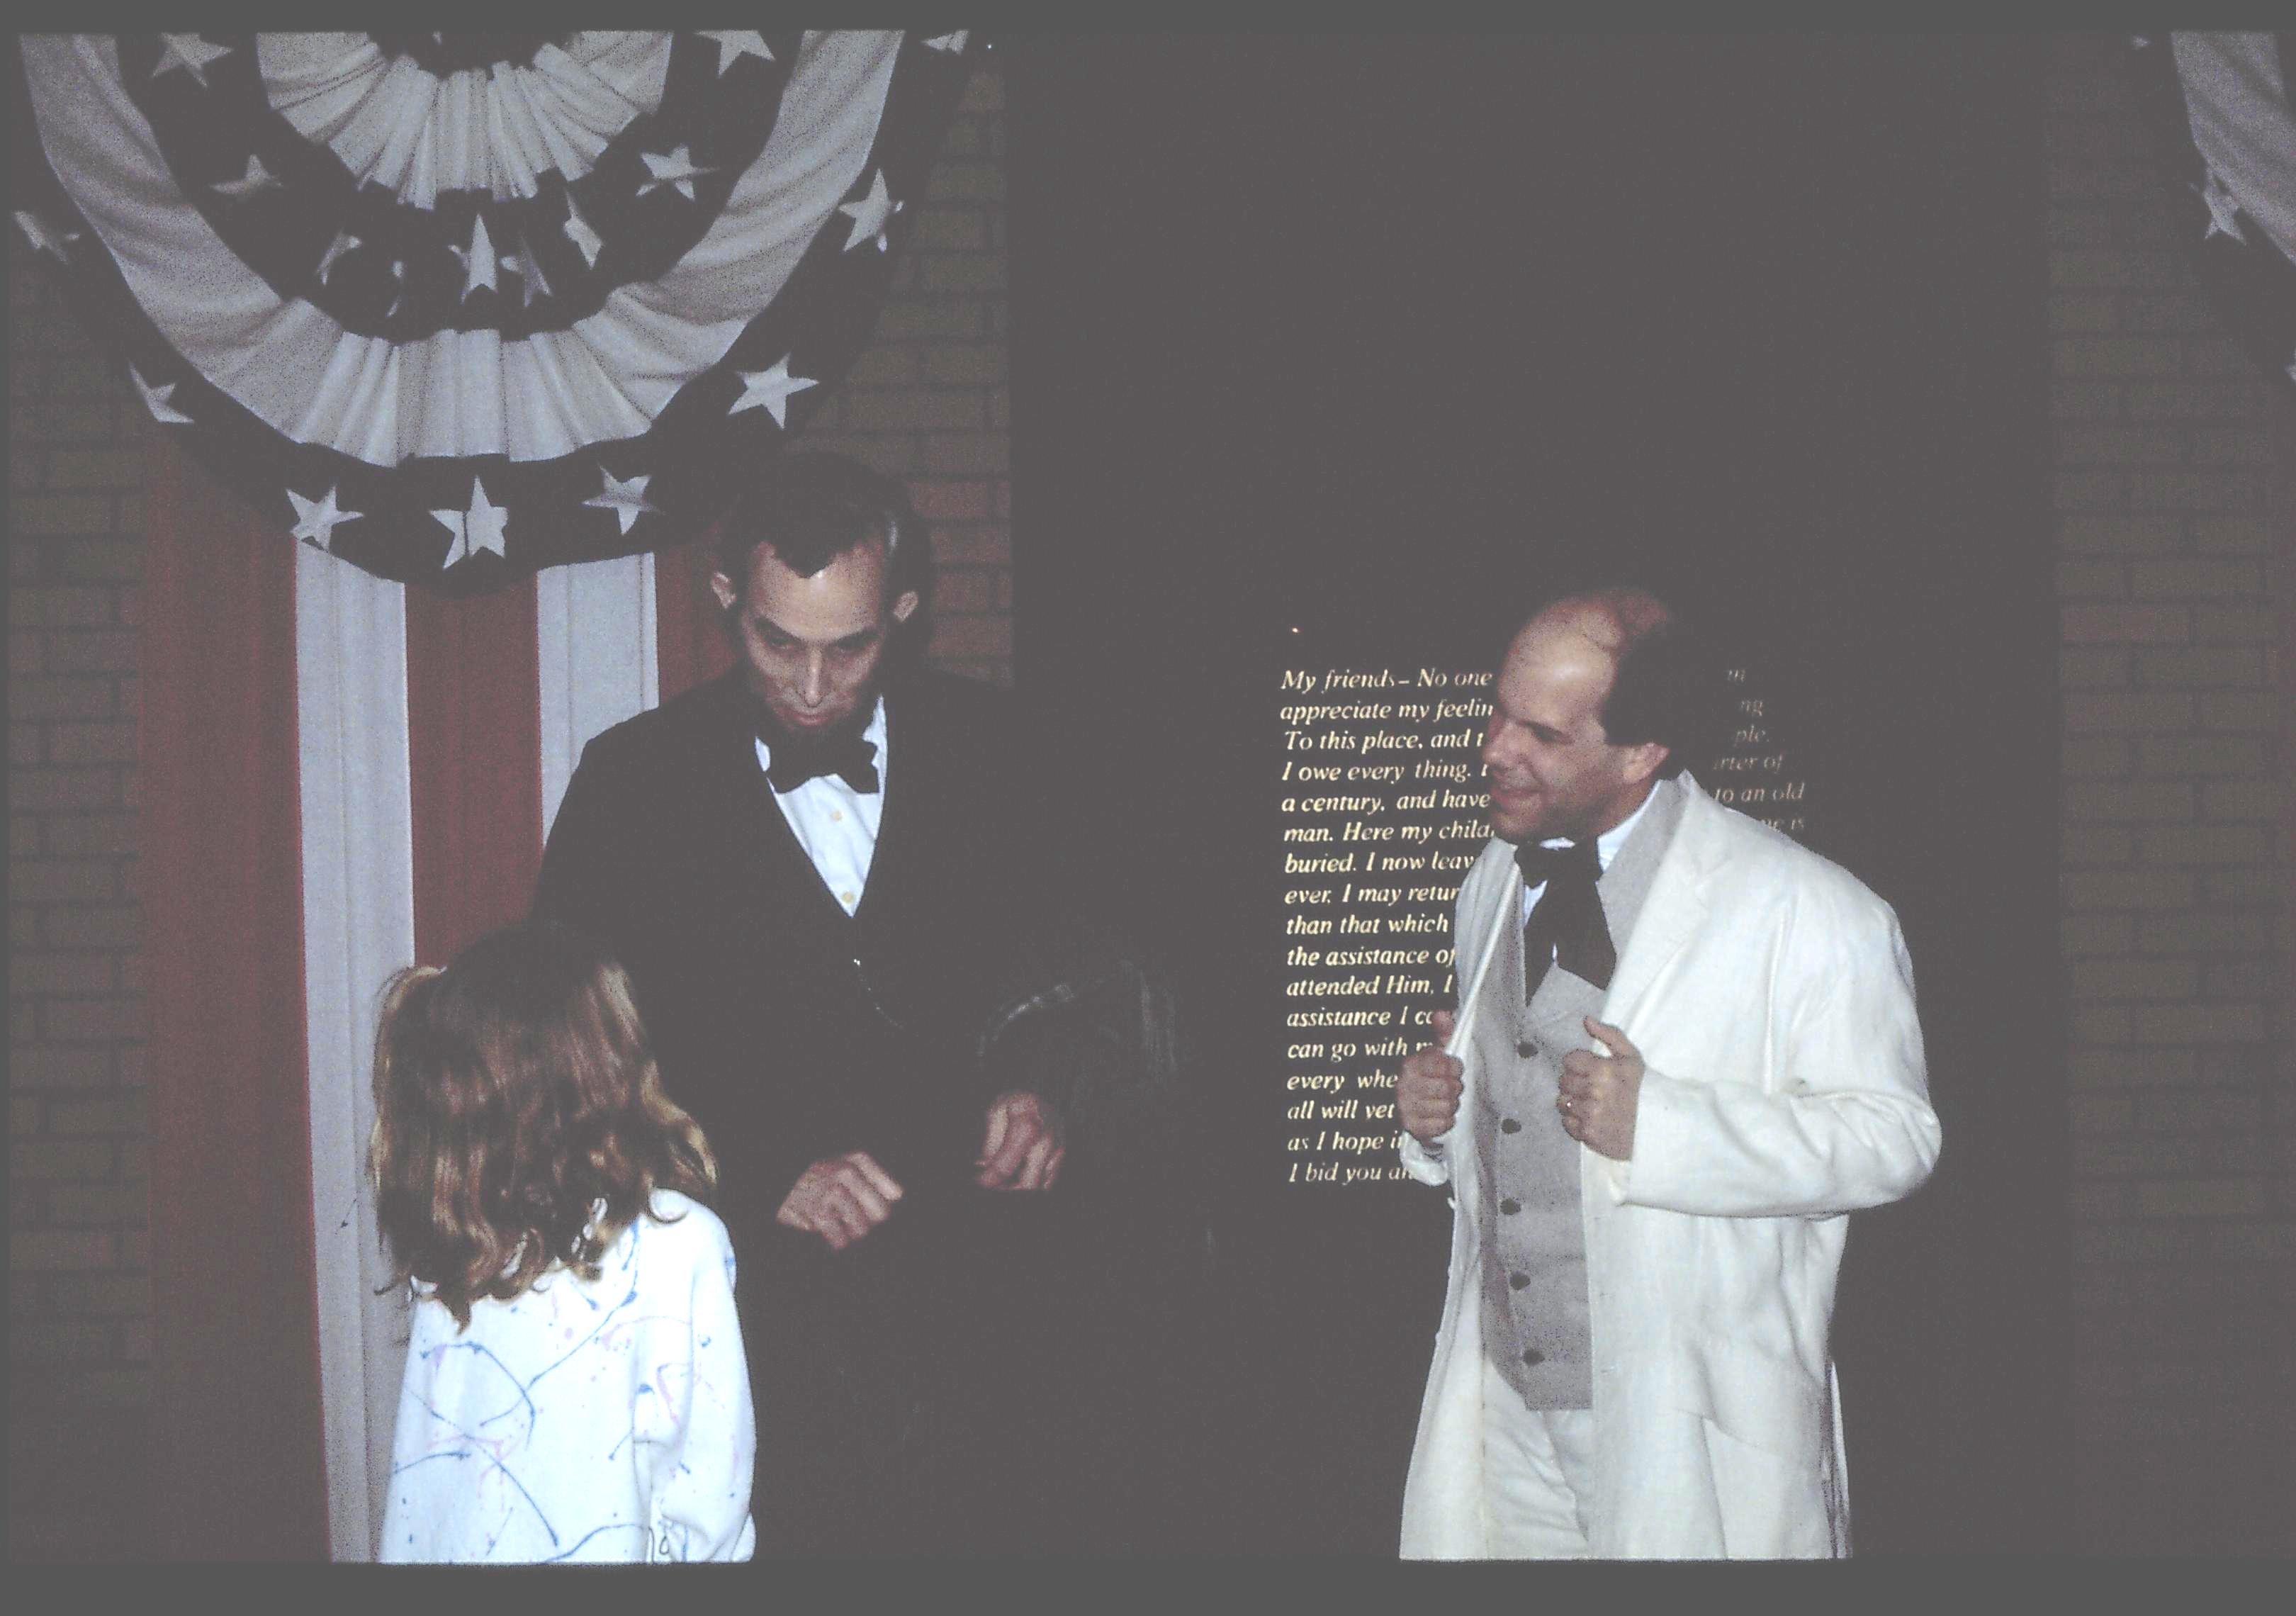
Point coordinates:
pixel 1534 1256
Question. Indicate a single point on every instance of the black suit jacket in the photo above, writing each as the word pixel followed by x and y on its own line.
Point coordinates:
pixel 670 849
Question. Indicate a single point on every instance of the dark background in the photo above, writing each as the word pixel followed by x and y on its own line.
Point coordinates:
pixel 1336 351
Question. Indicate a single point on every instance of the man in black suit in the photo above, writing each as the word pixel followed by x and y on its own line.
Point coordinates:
pixel 815 871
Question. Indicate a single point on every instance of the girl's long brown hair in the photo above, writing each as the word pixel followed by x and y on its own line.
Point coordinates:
pixel 513 1092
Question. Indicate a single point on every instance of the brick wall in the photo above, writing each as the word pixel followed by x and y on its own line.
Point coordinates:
pixel 78 1308
pixel 926 401
pixel 2174 924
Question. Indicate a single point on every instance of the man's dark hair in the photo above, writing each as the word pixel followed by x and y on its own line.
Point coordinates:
pixel 1668 689
pixel 813 507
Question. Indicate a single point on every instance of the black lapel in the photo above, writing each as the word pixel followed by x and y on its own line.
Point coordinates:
pixel 909 774
pixel 764 845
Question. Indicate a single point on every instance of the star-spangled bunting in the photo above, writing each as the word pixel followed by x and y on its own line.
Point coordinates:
pixel 622 374
pixel 673 168
pixel 257 178
pixel 870 214
pixel 734 44
pixel 478 528
pixel 317 519
pixel 625 497
pixel 2221 108
pixel 771 388
pixel 190 53
pixel 156 400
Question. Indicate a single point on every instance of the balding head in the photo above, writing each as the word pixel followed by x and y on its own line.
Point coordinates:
pixel 1661 690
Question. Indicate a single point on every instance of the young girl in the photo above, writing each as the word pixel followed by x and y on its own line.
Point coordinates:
pixel 575 1384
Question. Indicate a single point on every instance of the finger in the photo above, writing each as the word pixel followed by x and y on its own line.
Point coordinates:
pixel 998 1119
pixel 850 1216
pixel 1005 1162
pixel 857 1194
pixel 1610 1037
pixel 1052 1166
pixel 1444 1021
pixel 882 1181
pixel 1030 1174
pixel 1032 1171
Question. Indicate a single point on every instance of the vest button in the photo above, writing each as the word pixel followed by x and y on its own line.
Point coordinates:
pixel 1533 1356
pixel 1519 1281
pixel 1508 1124
pixel 1510 1207
pixel 1527 1048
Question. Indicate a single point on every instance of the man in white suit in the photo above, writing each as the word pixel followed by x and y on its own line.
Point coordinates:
pixel 1686 1051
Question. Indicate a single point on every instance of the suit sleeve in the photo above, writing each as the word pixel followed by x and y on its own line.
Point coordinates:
pixel 576 885
pixel 1844 1120
pixel 700 1467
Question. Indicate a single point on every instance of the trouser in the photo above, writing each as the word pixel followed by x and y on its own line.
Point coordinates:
pixel 901 1390
pixel 1541 1500
pixel 1539 1476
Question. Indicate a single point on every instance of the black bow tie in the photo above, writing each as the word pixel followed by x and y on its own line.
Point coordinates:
pixel 1566 925
pixel 796 759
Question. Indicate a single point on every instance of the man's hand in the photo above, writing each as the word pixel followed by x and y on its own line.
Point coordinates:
pixel 841 1198
pixel 1598 1093
pixel 1427 1089
pixel 1021 1148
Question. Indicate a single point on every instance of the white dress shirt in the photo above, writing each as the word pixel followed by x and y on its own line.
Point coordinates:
pixel 835 825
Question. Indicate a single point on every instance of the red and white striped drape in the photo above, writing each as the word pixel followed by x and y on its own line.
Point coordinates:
pixel 340 777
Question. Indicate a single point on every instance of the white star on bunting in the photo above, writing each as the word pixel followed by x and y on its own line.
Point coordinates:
pixel 257 178
pixel 44 236
pixel 674 167
pixel 627 500
pixel 2223 209
pixel 316 519
pixel 480 528
pixel 772 387
pixel 871 214
pixel 341 245
pixel 477 258
pixel 190 53
pixel 951 43
pixel 734 44
pixel 578 231
pixel 530 281
pixel 156 400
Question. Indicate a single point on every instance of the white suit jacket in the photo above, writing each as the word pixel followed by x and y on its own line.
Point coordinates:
pixel 1772 999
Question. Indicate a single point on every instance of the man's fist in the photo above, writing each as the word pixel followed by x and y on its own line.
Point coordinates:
pixel 1020 1146
pixel 840 1199
pixel 1596 1094
pixel 1427 1089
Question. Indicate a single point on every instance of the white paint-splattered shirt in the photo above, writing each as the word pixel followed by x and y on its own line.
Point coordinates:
pixel 606 1421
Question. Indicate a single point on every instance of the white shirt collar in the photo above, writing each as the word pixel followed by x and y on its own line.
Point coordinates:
pixel 1607 845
